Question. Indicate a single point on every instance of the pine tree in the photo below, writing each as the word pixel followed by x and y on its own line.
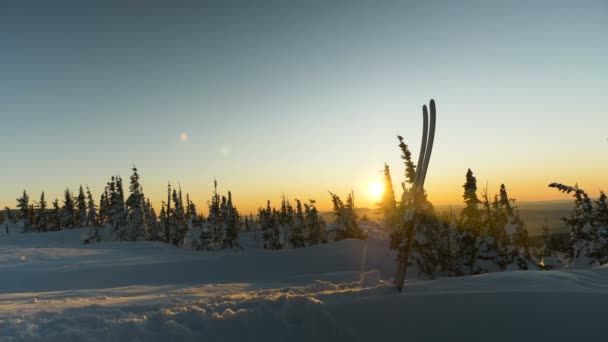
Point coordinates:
pixel 69 217
pixel 299 226
pixel 388 204
pixel 582 232
pixel 104 208
pixel 216 229
pixel 346 217
pixel 56 215
pixel 179 223
pixel 91 208
pixel 42 219
pixel 406 155
pixel 136 227
pixel 231 218
pixel 81 206
pixel 151 221
pixel 23 204
pixel 117 211
pixel 469 228
pixel 168 217
pixel 315 226
pixel 286 219
pixel 269 224
pixel 471 217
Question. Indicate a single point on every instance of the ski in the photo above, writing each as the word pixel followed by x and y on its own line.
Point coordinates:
pixel 409 220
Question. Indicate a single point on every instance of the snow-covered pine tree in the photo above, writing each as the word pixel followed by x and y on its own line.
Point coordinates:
pixel 91 217
pixel 81 208
pixel 346 218
pixel 214 220
pixel 315 226
pixel 190 208
pixel 42 221
pixel 286 219
pixel 469 227
pixel 179 222
pixel 388 203
pixel 296 239
pixel 104 208
pixel 69 217
pixel 489 251
pixel 516 235
pixel 135 228
pixel 232 222
pixel 269 224
pixel 151 221
pixel 117 212
pixel 582 232
pixel 23 204
pixel 56 216
pixel 168 219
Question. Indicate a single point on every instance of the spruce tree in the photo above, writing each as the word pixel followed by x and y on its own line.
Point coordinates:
pixel 178 220
pixel 104 208
pixel 42 219
pixel 56 216
pixel 136 225
pixel 315 226
pixel 91 217
pixel 214 219
pixel 346 217
pixel 169 217
pixel 81 206
pixel 299 226
pixel 23 204
pixel 232 220
pixel 69 217
pixel 388 204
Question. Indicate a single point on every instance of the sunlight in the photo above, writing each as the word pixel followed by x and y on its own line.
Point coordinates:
pixel 376 189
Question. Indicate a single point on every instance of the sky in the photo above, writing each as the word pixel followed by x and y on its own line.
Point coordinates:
pixel 301 97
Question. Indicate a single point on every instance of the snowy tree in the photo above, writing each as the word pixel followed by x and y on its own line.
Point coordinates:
pixel 587 245
pixel 42 218
pixel 104 208
pixel 346 217
pixel 81 207
pixel 55 218
pixel 69 217
pixel 117 212
pixel 135 227
pixel 315 226
pixel 216 226
pixel 388 204
pixel 269 224
pixel 23 204
pixel 91 208
pixel 286 219
pixel 178 218
pixel 151 221
pixel 232 221
pixel 296 239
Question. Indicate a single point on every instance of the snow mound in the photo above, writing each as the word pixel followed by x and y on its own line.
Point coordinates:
pixel 370 279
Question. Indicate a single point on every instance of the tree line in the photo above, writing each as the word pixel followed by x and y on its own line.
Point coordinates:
pixel 488 235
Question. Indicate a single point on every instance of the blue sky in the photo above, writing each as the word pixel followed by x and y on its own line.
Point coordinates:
pixel 301 97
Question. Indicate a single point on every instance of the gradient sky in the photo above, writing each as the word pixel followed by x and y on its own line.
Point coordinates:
pixel 301 97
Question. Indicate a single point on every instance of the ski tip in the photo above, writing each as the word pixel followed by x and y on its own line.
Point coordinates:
pixel 432 105
pixel 424 110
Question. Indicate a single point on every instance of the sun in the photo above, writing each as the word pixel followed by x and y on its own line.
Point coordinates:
pixel 376 189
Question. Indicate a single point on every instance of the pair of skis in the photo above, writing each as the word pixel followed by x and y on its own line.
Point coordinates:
pixel 416 194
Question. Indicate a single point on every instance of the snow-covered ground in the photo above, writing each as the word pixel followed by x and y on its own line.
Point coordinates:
pixel 53 288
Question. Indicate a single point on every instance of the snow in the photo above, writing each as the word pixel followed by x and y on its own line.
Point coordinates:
pixel 54 288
